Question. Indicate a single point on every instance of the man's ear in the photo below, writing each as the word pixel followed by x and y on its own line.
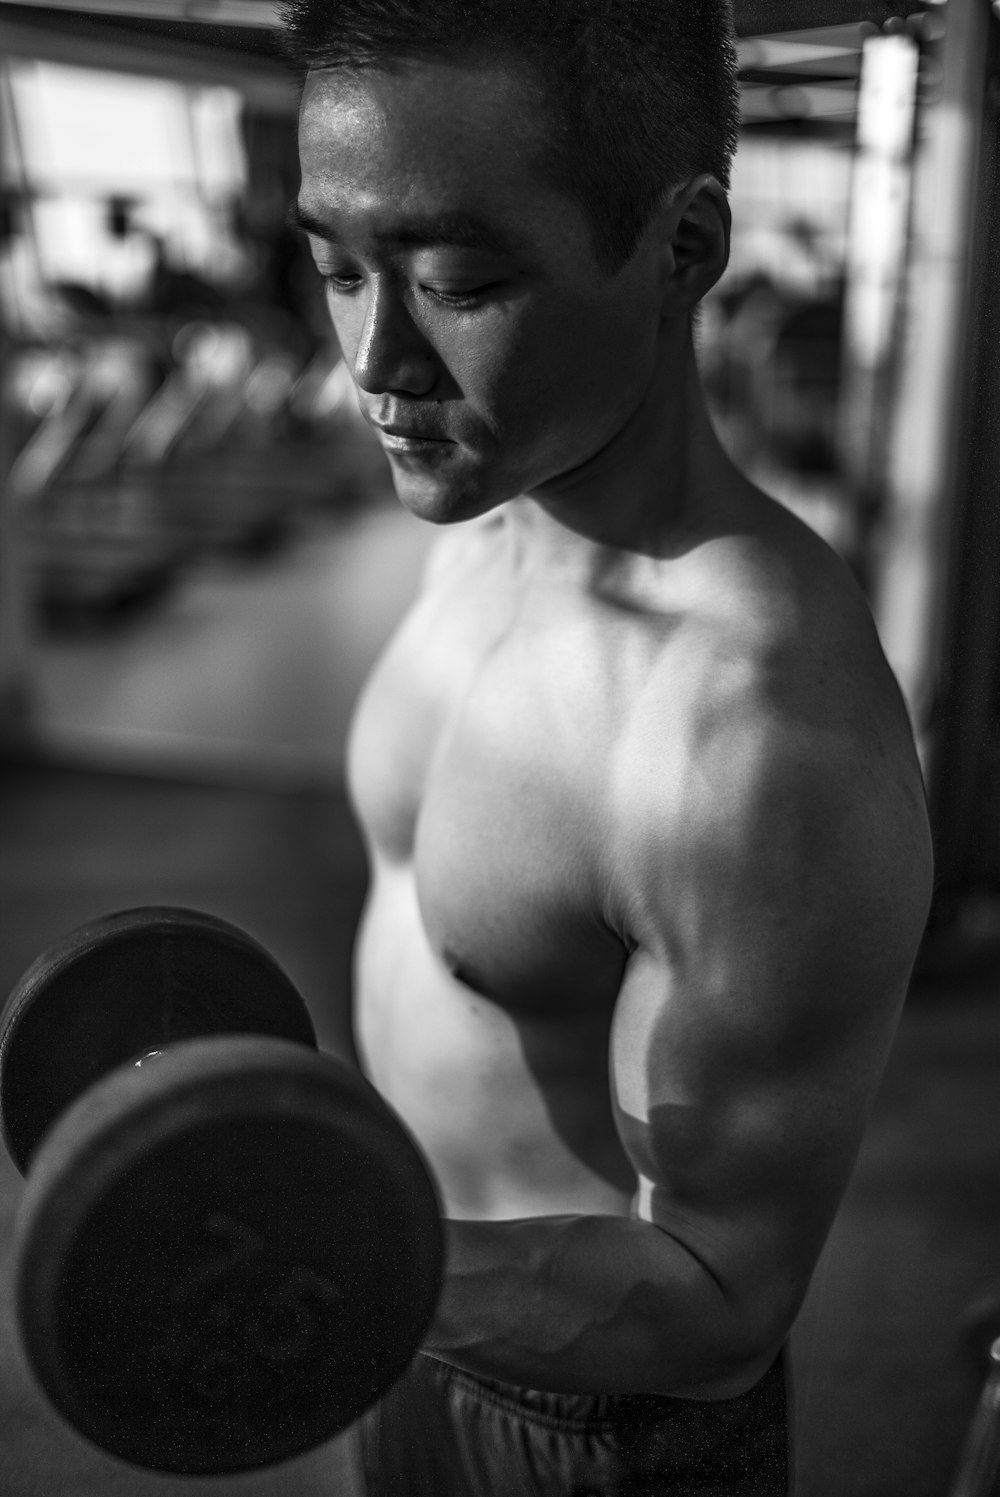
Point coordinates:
pixel 695 226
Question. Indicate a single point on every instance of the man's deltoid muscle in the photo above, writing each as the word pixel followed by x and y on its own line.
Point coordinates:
pixel 650 859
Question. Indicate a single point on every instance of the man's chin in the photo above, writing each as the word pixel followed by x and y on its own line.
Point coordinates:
pixel 442 499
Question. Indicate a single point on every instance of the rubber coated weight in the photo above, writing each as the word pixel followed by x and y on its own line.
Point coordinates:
pixel 223 1262
pixel 224 1255
pixel 124 985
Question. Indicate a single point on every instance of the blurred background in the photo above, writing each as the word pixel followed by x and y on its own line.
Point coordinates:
pixel 200 557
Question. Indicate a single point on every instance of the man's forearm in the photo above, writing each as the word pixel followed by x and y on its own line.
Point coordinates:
pixel 588 1304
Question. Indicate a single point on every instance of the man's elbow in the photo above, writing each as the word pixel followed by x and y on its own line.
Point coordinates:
pixel 740 1331
pixel 736 1323
pixel 753 1332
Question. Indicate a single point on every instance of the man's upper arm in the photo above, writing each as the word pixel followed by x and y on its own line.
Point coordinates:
pixel 775 924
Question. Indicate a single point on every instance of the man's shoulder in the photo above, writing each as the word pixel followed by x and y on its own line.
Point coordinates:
pixel 771 714
pixel 773 629
pixel 763 567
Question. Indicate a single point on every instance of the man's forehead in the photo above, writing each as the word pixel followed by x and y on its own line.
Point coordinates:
pixel 432 155
pixel 429 155
pixel 486 118
pixel 476 89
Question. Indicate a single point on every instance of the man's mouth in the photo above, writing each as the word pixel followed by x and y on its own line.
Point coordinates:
pixel 409 438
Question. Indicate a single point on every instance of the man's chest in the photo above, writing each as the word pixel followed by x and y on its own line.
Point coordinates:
pixel 482 759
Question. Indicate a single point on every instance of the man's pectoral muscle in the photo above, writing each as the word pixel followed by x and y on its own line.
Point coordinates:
pixel 773 929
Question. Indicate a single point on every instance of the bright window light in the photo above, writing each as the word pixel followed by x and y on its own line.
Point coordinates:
pixel 172 153
pixel 86 129
pixel 220 160
pixel 82 130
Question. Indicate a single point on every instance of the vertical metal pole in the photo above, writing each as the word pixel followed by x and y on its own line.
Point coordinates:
pixel 965 763
pixel 881 192
pixel 14 604
pixel 916 531
pixel 965 767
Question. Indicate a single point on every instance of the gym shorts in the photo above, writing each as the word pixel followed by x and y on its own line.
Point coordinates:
pixel 441 1432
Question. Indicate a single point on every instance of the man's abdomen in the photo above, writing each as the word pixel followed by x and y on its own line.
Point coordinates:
pixel 514 1116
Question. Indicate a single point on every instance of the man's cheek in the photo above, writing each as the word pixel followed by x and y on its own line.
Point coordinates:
pixel 488 353
pixel 348 321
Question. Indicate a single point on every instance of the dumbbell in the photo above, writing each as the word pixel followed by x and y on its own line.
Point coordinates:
pixel 229 1246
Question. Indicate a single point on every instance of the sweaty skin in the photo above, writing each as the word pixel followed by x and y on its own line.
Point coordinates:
pixel 649 852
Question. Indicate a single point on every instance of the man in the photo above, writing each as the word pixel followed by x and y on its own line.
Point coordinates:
pixel 650 860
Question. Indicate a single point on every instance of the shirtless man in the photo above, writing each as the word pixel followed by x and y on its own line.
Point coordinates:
pixel 650 860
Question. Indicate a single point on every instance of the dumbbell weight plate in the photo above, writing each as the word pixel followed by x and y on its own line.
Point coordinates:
pixel 126 984
pixel 225 1256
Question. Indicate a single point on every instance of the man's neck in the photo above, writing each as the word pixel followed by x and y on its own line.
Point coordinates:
pixel 649 491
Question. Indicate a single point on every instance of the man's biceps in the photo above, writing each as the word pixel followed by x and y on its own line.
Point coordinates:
pixel 749 1251
pixel 772 1142
pixel 747 1223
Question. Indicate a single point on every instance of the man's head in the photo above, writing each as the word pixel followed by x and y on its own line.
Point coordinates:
pixel 485 297
pixel 640 94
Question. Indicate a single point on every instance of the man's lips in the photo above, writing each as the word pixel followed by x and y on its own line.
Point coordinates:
pixel 409 439
pixel 408 433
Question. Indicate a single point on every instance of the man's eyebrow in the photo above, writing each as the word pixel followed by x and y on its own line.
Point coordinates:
pixel 462 230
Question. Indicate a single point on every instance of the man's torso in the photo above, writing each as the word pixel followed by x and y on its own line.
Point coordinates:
pixel 498 765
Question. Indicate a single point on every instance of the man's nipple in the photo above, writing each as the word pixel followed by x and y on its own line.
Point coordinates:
pixel 462 972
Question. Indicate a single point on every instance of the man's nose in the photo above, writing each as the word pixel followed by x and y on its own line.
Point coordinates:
pixel 392 354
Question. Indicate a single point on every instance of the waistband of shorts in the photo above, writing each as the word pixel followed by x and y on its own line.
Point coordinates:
pixel 584 1412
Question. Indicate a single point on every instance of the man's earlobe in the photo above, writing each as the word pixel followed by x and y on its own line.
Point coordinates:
pixel 697 226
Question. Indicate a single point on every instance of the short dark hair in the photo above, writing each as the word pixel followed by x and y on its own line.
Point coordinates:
pixel 645 92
